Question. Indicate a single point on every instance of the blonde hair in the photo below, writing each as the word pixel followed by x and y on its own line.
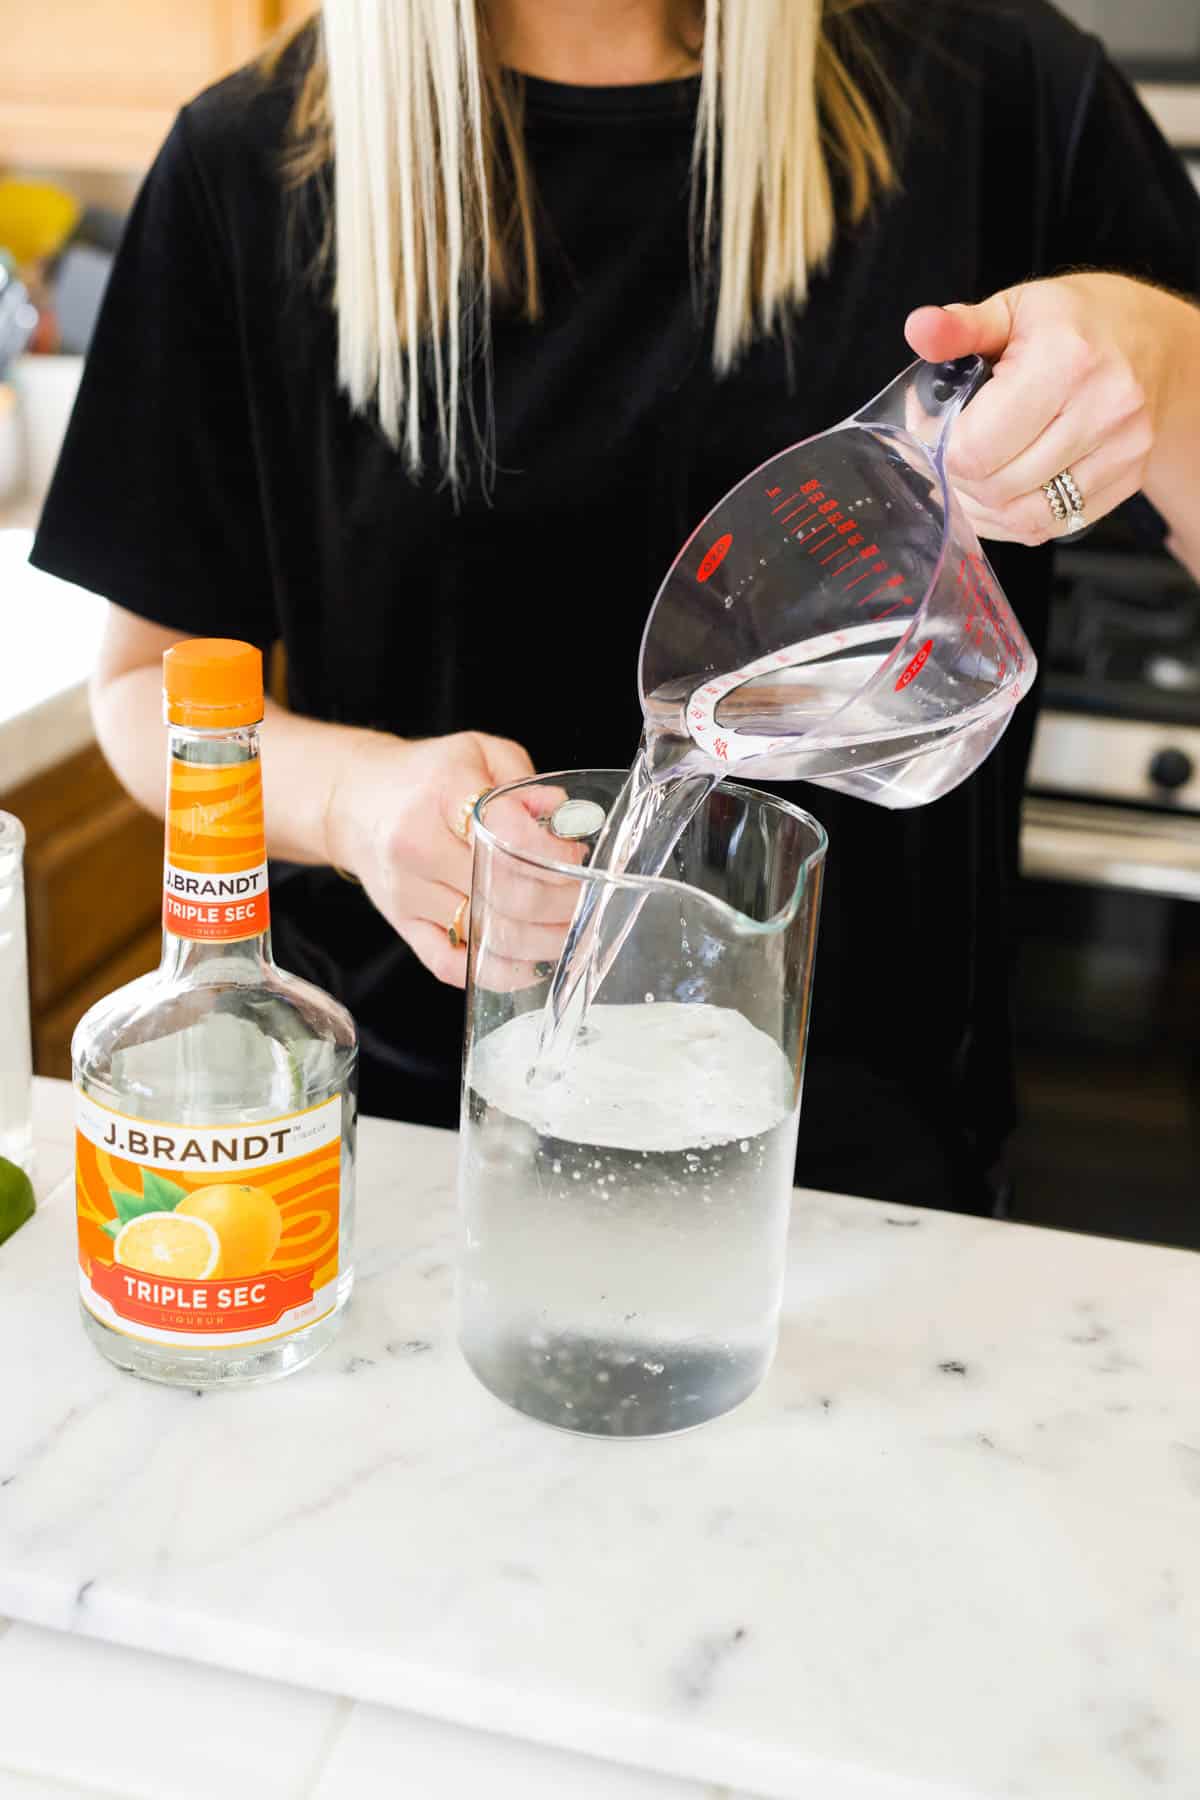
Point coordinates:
pixel 432 206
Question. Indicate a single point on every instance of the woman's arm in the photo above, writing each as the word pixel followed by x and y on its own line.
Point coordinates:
pixel 386 809
pixel 1172 478
pixel 1096 373
pixel 300 777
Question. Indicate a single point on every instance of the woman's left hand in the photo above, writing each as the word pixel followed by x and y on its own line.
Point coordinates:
pixel 1082 368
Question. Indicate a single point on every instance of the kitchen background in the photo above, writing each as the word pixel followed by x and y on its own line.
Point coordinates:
pixel 1108 968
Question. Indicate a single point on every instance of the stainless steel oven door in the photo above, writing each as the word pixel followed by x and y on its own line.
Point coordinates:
pixel 1114 803
pixel 1091 845
pixel 1106 1000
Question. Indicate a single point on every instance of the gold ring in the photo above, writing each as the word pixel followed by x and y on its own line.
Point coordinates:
pixel 462 825
pixel 454 930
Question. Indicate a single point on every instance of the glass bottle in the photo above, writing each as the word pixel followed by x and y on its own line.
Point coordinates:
pixel 16 1076
pixel 216 1097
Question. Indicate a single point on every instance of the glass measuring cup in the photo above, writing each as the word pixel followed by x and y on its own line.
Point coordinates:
pixel 834 618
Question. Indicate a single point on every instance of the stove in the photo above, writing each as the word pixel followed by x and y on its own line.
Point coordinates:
pixel 1114 783
pixel 1107 972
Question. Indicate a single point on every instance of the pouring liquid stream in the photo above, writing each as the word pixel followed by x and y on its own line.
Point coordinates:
pixel 832 620
pixel 670 781
pixel 646 821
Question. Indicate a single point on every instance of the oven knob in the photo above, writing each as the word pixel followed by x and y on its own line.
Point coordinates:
pixel 1171 769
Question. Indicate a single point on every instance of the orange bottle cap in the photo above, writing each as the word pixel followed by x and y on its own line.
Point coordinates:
pixel 213 684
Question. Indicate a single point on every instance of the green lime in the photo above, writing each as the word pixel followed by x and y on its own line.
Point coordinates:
pixel 16 1198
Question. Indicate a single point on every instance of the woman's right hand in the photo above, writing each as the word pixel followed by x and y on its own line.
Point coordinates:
pixel 395 814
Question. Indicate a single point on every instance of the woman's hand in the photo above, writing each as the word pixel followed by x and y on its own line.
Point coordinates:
pixel 1086 372
pixel 395 819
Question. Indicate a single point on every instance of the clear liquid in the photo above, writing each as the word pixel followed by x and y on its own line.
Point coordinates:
pixel 624 1229
pixel 646 821
pixel 830 723
pixel 774 730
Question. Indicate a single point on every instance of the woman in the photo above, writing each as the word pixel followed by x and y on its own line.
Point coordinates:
pixel 437 412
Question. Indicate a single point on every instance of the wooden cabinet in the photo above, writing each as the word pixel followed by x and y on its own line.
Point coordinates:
pixel 95 83
pixel 93 895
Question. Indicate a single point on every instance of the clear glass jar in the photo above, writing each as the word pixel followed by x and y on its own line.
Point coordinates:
pixel 624 1227
pixel 16 1060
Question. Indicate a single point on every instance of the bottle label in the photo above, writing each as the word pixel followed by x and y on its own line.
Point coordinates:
pixel 215 878
pixel 208 1235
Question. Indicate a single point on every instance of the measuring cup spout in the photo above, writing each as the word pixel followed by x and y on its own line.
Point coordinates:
pixel 926 399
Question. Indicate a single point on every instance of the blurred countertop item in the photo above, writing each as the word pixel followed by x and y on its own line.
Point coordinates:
pixel 51 629
pixel 51 632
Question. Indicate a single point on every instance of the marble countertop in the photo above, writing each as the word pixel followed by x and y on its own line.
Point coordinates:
pixel 51 634
pixel 951 1551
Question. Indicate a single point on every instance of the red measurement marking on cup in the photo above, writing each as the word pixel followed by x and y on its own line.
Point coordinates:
pixel 715 557
pixel 916 665
pixel 983 614
pixel 893 581
pixel 879 568
pixel 843 548
pixel 821 524
pixel 797 494
pixel 864 556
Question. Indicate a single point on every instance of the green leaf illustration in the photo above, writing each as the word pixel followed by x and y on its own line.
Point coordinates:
pixel 157 1195
pixel 160 1194
pixel 112 1227
pixel 130 1206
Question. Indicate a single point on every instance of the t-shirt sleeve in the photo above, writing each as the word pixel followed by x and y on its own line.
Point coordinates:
pixel 155 501
pixel 1128 203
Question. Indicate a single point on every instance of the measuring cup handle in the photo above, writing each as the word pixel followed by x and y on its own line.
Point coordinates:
pixel 949 386
pixel 926 399
pixel 945 388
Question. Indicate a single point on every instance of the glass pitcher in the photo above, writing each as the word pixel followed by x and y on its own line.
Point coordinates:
pixel 623 1229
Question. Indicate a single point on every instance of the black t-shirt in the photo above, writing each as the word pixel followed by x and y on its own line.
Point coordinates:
pixel 214 480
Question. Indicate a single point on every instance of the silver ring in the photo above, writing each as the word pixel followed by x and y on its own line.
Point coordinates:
pixel 1059 506
pixel 1066 501
pixel 1069 489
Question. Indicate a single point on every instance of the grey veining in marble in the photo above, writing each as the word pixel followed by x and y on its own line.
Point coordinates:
pixel 952 1549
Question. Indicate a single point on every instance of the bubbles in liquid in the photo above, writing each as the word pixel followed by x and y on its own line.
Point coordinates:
pixel 644 1298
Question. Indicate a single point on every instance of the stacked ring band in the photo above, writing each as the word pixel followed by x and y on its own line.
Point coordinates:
pixel 1066 501
pixel 1068 486
pixel 1058 506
